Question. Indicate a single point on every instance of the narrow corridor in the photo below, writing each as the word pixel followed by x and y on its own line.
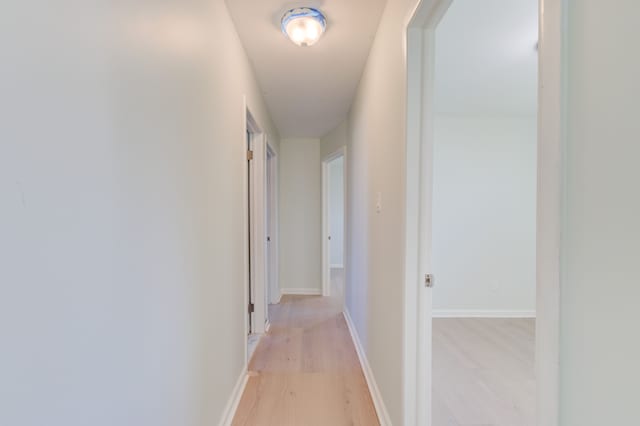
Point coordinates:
pixel 305 371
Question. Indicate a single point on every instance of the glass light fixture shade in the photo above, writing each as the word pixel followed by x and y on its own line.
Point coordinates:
pixel 304 26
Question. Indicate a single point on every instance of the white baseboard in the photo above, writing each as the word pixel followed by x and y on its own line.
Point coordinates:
pixel 275 302
pixel 234 400
pixel 470 313
pixel 301 291
pixel 381 409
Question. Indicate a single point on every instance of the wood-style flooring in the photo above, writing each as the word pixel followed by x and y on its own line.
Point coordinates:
pixel 305 371
pixel 337 283
pixel 483 372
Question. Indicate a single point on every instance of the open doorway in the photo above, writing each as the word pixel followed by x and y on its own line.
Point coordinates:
pixel 333 224
pixel 481 232
pixel 484 213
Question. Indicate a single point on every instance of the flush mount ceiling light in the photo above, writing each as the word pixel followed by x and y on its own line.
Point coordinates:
pixel 304 25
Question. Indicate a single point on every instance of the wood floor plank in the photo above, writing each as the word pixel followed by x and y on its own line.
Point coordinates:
pixel 483 372
pixel 305 371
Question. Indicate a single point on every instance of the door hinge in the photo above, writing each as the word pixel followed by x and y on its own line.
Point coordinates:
pixel 249 155
pixel 251 308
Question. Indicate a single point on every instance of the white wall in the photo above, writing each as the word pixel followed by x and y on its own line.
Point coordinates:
pixel 336 212
pixel 484 215
pixel 334 140
pixel 121 190
pixel 375 241
pixel 300 216
pixel 600 347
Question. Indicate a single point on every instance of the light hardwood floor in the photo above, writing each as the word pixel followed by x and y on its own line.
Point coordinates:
pixel 337 283
pixel 305 371
pixel 483 372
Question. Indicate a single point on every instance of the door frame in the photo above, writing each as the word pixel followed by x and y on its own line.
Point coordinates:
pixel 420 31
pixel 274 295
pixel 326 259
pixel 254 225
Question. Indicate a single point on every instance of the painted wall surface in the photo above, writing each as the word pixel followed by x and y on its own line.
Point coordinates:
pixel 375 241
pixel 484 215
pixel 600 287
pixel 122 155
pixel 300 215
pixel 334 140
pixel 336 212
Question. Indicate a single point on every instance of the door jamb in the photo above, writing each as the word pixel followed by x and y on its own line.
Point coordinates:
pixel 254 225
pixel 274 288
pixel 326 263
pixel 418 352
pixel 551 141
pixel 551 118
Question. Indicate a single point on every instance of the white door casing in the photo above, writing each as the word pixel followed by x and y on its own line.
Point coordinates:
pixel 419 160
pixel 256 226
pixel 326 246
pixel 272 223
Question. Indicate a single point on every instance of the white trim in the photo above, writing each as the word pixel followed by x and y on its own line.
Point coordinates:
pixel 254 226
pixel 337 266
pixel 300 292
pixel 259 336
pixel 326 275
pixel 326 266
pixel 259 235
pixel 273 229
pixel 412 217
pixel 420 39
pixel 245 225
pixel 347 227
pixel 376 396
pixel 471 313
pixel 234 400
pixel 552 57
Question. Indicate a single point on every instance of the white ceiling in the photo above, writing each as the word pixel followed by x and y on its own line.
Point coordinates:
pixel 486 58
pixel 308 90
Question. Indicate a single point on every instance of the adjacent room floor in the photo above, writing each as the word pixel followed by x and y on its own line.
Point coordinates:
pixel 483 372
pixel 305 371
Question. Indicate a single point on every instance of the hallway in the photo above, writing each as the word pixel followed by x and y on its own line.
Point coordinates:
pixel 162 190
pixel 305 371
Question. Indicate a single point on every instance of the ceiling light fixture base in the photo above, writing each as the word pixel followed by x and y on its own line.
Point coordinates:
pixel 304 25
